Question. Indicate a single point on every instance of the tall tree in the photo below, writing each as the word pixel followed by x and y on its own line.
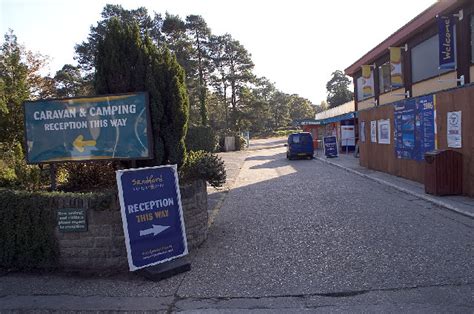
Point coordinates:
pixel 127 63
pixel 14 77
pixel 280 110
pixel 200 33
pixel 240 73
pixel 69 82
pixel 321 107
pixel 85 52
pixel 338 89
pixel 300 108
pixel 176 38
pixel 220 60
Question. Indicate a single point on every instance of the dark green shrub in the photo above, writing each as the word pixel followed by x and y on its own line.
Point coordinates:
pixel 28 222
pixel 205 166
pixel 201 138
pixel 89 176
pixel 27 225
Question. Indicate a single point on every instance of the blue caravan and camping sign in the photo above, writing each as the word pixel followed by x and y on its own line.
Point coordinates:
pixel 152 215
pixel 89 128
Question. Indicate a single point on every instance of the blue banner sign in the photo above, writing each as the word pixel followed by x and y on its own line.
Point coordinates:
pixel 330 146
pixel 75 129
pixel 152 215
pixel 414 121
pixel 446 43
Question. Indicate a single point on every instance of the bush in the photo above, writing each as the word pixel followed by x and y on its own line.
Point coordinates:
pixel 205 166
pixel 201 138
pixel 89 176
pixel 27 230
pixel 28 223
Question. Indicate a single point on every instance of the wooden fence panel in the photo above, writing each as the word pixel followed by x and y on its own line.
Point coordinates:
pixel 382 157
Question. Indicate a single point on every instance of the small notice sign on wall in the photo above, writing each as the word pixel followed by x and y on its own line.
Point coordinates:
pixel 454 129
pixel 72 220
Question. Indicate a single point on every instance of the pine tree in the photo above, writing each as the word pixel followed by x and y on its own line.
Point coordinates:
pixel 127 63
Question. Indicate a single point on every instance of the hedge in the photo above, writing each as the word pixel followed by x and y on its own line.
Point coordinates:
pixel 27 226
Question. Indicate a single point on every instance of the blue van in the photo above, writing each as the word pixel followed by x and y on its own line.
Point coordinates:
pixel 300 145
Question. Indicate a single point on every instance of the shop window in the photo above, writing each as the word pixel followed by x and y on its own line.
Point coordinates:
pixel 425 59
pixel 384 78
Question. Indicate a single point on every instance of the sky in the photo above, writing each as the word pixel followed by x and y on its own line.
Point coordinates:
pixel 296 44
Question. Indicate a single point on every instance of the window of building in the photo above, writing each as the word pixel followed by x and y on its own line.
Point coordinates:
pixel 384 78
pixel 425 59
pixel 359 88
pixel 472 38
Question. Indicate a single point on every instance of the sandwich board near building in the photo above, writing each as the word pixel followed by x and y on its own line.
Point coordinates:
pixel 152 215
pixel 330 146
pixel 88 128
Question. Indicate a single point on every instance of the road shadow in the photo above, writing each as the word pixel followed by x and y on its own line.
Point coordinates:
pixel 277 160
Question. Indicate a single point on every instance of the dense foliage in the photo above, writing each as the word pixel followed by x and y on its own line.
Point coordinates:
pixel 338 89
pixel 27 226
pixel 204 166
pixel 201 138
pixel 129 62
pixel 223 90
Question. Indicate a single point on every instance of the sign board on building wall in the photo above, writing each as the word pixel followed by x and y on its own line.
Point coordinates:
pixel 414 121
pixel 367 81
pixel 72 219
pixel 362 131
pixel 347 135
pixel 330 146
pixel 152 215
pixel 447 56
pixel 396 76
pixel 89 128
pixel 383 131
pixel 454 129
pixel 373 131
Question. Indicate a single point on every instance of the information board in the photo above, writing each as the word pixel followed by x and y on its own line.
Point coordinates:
pixel 414 127
pixel 330 146
pixel 72 220
pixel 90 128
pixel 152 215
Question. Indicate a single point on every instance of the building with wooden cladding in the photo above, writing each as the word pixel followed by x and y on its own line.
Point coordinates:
pixel 449 91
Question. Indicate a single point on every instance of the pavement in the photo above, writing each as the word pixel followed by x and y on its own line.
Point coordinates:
pixel 461 204
pixel 290 237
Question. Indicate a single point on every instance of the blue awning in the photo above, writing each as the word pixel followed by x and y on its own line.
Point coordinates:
pixel 346 116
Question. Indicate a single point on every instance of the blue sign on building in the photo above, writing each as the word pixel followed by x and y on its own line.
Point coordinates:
pixel 89 128
pixel 330 146
pixel 152 215
pixel 414 121
pixel 447 56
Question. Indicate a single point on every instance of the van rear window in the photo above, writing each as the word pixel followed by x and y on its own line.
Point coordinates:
pixel 295 139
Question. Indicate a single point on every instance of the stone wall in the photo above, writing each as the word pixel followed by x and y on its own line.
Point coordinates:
pixel 102 246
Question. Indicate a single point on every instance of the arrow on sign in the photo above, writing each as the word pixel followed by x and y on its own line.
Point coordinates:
pixel 155 230
pixel 79 143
